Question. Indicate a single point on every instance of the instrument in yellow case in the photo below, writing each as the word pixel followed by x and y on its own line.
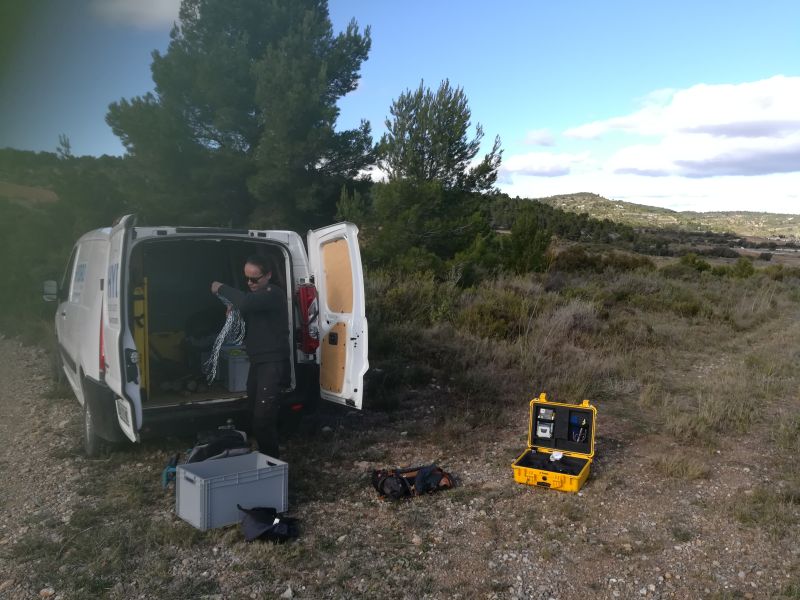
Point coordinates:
pixel 560 445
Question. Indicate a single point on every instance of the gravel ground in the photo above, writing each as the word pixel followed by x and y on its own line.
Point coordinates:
pixel 632 532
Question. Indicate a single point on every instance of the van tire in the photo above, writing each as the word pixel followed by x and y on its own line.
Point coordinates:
pixel 93 444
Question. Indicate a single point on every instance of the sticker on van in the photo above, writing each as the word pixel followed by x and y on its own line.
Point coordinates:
pixel 113 293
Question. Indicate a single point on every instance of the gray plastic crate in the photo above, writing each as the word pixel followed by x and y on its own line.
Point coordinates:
pixel 207 492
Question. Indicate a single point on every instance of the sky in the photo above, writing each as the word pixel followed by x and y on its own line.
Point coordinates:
pixel 684 105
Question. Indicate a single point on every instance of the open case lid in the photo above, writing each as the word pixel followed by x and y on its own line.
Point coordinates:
pixel 568 428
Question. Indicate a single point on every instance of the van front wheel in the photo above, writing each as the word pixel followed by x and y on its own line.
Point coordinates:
pixel 93 444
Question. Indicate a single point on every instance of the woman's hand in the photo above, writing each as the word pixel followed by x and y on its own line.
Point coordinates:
pixel 215 287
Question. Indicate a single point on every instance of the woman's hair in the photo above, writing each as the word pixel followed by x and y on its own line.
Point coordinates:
pixel 261 262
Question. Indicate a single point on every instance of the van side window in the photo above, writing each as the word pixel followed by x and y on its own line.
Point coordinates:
pixel 66 279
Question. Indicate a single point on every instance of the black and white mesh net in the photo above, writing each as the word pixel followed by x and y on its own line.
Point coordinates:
pixel 232 332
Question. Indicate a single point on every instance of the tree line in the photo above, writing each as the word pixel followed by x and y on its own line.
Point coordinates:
pixel 240 130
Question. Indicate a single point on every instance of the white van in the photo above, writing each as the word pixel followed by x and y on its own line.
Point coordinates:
pixel 136 320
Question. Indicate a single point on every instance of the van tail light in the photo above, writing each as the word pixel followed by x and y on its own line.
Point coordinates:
pixel 309 315
pixel 102 351
pixel 296 407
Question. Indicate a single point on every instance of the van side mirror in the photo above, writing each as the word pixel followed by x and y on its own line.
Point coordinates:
pixel 50 290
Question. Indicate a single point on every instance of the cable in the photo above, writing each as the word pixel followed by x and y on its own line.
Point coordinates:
pixel 232 332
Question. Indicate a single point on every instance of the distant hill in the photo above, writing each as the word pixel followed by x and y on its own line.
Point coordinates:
pixel 756 224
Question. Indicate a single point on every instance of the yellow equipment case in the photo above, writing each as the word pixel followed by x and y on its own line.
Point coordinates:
pixel 560 445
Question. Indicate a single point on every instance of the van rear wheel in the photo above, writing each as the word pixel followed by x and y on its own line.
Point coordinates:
pixel 93 444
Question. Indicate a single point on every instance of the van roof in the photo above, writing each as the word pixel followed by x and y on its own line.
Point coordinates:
pixel 96 234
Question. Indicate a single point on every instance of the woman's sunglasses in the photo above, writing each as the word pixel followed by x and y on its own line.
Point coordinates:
pixel 253 279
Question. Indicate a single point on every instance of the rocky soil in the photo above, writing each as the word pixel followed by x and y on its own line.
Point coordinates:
pixel 71 527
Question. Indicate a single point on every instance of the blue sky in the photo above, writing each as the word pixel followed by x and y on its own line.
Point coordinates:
pixel 686 105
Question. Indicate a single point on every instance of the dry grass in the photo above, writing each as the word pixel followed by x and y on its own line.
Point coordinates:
pixel 679 465
pixel 786 435
pixel 775 510
pixel 610 337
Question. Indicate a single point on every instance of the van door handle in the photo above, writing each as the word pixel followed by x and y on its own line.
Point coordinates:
pixel 63 313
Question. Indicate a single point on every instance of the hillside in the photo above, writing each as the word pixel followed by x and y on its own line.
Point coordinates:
pixel 26 195
pixel 758 224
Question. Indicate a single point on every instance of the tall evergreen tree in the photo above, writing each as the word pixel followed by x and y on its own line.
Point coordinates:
pixel 427 139
pixel 240 127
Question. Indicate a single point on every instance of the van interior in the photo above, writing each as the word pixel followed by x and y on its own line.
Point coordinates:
pixel 175 319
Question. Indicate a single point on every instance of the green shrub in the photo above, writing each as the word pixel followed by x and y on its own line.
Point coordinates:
pixel 678 270
pixel 575 258
pixel 530 238
pixel 619 261
pixel 743 268
pixel 494 313
pixel 774 272
pixel 675 297
pixel 781 272
pixel 393 297
pixel 721 271
pixel 692 260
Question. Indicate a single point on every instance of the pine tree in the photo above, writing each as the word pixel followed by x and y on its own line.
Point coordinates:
pixel 241 125
pixel 427 139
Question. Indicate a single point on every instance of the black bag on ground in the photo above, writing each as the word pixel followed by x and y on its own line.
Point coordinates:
pixel 219 443
pixel 411 481
pixel 265 523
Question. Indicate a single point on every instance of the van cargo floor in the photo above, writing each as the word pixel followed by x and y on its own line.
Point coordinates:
pixel 181 398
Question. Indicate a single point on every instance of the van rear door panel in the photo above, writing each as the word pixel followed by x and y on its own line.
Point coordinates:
pixel 121 370
pixel 335 261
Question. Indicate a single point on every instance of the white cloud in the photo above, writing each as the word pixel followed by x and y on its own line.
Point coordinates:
pixel 765 107
pixel 374 173
pixel 540 164
pixel 540 137
pixel 710 130
pixel 703 148
pixel 147 14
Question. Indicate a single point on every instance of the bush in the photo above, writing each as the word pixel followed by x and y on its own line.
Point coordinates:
pixel 721 252
pixel 392 298
pixel 495 313
pixel 743 268
pixel 530 238
pixel 781 272
pixel 693 261
pixel 619 261
pixel 575 258
pixel 721 271
pixel 678 270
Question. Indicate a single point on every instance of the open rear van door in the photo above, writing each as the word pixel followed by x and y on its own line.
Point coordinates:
pixel 118 352
pixel 335 262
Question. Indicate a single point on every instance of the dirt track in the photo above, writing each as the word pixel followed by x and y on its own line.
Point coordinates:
pixel 631 533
